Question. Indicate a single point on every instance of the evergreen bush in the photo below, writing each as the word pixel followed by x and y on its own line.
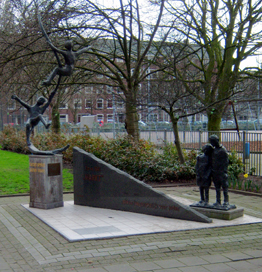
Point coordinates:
pixel 142 159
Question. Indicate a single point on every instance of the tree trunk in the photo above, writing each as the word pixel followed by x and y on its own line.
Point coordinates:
pixel 177 139
pixel 55 119
pixel 214 120
pixel 132 121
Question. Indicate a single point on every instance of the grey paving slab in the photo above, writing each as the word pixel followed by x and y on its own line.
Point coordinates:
pixel 188 261
pixel 221 267
pixel 242 265
pixel 193 269
pixel 28 244
pixel 4 265
pixel 236 256
pixel 257 261
pixel 92 270
pixel 168 270
pixel 145 266
pixel 216 258
pixel 173 263
pixel 77 223
pixel 120 268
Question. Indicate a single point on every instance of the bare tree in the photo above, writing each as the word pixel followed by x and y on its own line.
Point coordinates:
pixel 26 58
pixel 120 54
pixel 218 36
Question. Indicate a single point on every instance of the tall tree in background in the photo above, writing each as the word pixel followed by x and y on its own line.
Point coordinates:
pixel 121 52
pixel 26 57
pixel 122 37
pixel 218 36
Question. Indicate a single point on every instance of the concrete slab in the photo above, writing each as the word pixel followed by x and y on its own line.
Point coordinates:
pixel 76 223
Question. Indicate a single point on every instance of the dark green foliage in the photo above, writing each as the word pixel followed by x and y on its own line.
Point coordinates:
pixel 235 168
pixel 140 159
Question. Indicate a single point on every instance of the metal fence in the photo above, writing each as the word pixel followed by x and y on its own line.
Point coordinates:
pixel 247 145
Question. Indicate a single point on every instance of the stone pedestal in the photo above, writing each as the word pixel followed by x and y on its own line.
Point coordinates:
pixel 221 214
pixel 46 182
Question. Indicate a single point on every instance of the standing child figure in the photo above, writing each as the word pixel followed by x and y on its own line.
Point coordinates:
pixel 203 173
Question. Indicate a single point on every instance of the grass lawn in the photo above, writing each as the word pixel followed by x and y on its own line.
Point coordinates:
pixel 14 174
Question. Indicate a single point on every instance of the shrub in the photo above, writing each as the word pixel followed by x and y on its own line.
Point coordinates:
pixel 140 159
pixel 235 168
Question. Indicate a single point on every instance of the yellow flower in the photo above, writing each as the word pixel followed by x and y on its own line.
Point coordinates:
pixel 246 176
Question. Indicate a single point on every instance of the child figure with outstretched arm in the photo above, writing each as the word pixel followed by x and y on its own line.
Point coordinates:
pixel 35 113
pixel 70 58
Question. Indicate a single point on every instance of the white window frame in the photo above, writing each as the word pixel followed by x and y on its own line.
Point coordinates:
pixel 101 101
pixel 98 117
pixel 110 120
pixel 107 102
pixel 90 103
pixel 78 101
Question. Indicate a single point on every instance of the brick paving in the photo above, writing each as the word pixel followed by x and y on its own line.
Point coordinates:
pixel 28 244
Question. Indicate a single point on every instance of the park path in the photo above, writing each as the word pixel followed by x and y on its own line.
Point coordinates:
pixel 28 244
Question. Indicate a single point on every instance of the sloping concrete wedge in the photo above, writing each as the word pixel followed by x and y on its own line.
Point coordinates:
pixel 99 184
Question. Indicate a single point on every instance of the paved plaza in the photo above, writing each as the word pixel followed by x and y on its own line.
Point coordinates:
pixel 29 244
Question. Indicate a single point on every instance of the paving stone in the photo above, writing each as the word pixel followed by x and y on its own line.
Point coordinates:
pixel 169 263
pixel 92 270
pixel 188 261
pixel 243 244
pixel 242 265
pixel 168 270
pixel 236 256
pixel 120 268
pixel 221 267
pixel 215 258
pixel 145 266
pixel 193 269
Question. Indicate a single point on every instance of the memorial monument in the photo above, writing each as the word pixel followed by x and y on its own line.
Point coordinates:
pixel 213 165
pixel 45 167
pixel 203 174
pixel 99 184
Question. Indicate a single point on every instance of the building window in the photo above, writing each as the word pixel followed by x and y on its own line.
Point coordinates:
pixel 99 89
pixel 11 105
pixel 109 89
pixel 63 106
pixel 110 118
pixel 78 104
pixel 120 117
pixel 109 103
pixel 63 118
pixel 99 103
pixel 100 117
pixel 153 117
pixel 89 89
pixel 88 104
pixel 119 104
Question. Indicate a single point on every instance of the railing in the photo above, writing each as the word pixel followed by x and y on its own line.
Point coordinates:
pixel 247 145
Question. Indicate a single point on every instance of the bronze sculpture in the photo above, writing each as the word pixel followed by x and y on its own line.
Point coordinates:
pixel 35 113
pixel 213 165
pixel 203 174
pixel 219 170
pixel 69 57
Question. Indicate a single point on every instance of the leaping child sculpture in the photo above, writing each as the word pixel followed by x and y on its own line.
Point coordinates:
pixel 36 111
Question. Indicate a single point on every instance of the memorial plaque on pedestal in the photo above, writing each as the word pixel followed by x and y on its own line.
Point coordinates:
pixel 46 181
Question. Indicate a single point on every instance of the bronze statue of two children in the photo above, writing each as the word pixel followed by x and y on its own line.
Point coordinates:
pixel 212 165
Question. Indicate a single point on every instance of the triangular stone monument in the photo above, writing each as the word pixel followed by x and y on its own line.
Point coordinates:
pixel 99 184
